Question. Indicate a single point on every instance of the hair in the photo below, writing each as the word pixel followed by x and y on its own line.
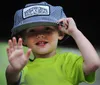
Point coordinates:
pixel 21 34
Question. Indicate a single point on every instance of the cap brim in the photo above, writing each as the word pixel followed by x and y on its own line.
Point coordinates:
pixel 29 25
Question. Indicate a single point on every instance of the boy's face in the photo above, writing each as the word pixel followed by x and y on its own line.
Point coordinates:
pixel 42 39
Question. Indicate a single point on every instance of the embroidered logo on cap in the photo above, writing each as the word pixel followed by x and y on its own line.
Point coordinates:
pixel 35 10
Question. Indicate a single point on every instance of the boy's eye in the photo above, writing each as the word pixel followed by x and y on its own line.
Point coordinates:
pixel 32 30
pixel 48 29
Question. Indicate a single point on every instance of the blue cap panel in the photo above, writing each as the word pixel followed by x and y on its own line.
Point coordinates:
pixel 36 14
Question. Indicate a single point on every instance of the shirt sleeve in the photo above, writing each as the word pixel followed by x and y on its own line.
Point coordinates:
pixel 23 73
pixel 18 82
pixel 74 70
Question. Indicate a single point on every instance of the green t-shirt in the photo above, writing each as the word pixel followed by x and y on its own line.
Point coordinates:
pixel 61 69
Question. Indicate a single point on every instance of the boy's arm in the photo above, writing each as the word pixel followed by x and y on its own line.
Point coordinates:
pixel 17 60
pixel 12 77
pixel 91 58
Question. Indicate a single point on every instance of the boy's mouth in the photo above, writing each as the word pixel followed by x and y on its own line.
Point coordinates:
pixel 41 43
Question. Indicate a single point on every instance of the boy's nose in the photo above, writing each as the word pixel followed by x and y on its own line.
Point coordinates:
pixel 40 36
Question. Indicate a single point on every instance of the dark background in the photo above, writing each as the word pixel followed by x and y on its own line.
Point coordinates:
pixel 84 12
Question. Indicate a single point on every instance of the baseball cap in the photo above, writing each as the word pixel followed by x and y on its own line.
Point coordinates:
pixel 36 14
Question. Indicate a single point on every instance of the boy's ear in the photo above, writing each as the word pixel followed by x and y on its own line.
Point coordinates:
pixel 61 35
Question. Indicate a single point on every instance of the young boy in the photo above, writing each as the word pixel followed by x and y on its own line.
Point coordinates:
pixel 39 26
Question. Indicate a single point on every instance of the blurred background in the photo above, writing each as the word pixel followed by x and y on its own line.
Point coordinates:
pixel 85 13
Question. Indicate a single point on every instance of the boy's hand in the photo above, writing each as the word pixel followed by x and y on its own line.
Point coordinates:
pixel 67 25
pixel 16 56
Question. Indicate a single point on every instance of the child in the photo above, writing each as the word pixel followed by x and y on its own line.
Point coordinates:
pixel 39 26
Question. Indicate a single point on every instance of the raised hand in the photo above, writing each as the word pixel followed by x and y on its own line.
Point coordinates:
pixel 16 56
pixel 67 25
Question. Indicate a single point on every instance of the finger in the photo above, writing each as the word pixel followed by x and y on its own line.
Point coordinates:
pixel 28 53
pixel 60 22
pixel 20 43
pixel 63 29
pixel 11 49
pixel 8 52
pixel 10 43
pixel 71 22
pixel 63 23
pixel 59 27
pixel 14 43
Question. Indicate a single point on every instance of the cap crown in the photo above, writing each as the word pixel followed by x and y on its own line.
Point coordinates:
pixel 36 14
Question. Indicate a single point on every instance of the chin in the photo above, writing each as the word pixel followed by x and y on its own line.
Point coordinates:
pixel 43 52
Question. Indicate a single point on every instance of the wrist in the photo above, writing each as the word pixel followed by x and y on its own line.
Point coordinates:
pixel 75 33
pixel 12 76
pixel 11 70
